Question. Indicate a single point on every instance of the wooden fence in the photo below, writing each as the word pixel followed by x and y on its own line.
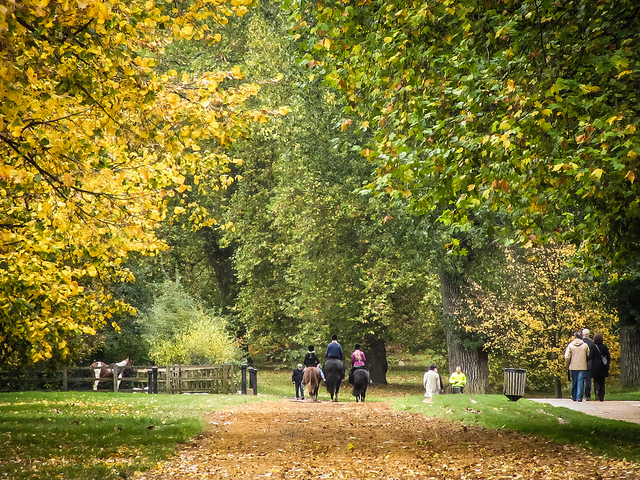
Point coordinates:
pixel 170 379
pixel 165 379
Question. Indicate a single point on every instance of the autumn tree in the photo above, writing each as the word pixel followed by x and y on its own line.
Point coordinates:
pixel 94 141
pixel 178 329
pixel 524 108
pixel 312 257
pixel 527 314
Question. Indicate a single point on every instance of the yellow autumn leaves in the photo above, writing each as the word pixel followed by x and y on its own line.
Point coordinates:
pixel 93 142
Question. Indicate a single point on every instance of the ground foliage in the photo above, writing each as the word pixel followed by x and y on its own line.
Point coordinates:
pixel 369 441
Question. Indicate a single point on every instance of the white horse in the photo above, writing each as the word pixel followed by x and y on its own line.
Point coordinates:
pixel 103 370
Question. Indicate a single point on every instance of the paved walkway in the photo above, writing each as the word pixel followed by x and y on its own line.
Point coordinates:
pixel 629 411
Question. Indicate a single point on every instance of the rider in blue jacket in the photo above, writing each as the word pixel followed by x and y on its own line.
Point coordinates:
pixel 334 350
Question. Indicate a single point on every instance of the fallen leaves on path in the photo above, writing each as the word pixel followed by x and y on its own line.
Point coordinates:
pixel 365 441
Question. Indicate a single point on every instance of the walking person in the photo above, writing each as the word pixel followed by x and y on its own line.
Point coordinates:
pixel 587 374
pixel 577 354
pixel 296 379
pixel 600 367
pixel 431 382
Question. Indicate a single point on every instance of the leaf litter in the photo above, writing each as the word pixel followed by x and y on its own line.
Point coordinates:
pixel 362 441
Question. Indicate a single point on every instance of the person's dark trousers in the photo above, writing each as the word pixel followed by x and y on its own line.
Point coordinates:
pixel 598 388
pixel 458 389
pixel 299 390
pixel 587 385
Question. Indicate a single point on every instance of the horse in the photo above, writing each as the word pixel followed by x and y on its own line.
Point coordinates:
pixel 333 376
pixel 360 383
pixel 102 370
pixel 311 380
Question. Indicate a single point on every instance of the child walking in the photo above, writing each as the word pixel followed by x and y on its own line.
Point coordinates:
pixel 296 379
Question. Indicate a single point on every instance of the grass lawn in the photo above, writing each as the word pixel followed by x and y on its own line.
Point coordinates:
pixel 96 435
pixel 91 435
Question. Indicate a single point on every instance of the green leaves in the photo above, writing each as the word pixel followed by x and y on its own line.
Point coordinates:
pixel 497 98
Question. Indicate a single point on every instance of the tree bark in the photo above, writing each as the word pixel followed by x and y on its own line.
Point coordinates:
pixel 469 354
pixel 558 387
pixel 629 352
pixel 377 360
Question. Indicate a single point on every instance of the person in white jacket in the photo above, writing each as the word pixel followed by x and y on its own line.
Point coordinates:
pixel 577 354
pixel 431 382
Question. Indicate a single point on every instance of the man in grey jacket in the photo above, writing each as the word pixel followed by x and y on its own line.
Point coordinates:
pixel 577 354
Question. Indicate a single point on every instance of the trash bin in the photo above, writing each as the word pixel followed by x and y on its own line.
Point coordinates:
pixel 514 379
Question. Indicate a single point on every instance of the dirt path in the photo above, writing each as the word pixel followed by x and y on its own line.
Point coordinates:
pixel 324 440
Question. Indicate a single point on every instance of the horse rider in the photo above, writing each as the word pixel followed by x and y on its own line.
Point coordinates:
pixel 357 361
pixel 334 350
pixel 311 360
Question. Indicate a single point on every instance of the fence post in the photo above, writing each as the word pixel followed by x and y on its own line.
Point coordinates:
pixel 225 378
pixel 253 379
pixel 155 379
pixel 114 369
pixel 152 384
pixel 65 385
pixel 243 384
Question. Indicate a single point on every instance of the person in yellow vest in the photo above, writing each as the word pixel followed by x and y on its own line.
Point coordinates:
pixel 458 380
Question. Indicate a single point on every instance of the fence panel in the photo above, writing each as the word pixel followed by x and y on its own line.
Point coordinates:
pixel 170 379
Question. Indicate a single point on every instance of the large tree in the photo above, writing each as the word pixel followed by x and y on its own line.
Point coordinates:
pixel 529 108
pixel 93 143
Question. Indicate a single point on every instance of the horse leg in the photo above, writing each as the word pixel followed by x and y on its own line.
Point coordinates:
pixel 96 381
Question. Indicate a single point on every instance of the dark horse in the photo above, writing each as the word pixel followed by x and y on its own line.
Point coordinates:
pixel 102 370
pixel 333 375
pixel 360 383
pixel 311 380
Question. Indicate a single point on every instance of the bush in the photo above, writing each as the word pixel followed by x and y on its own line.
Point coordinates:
pixel 178 330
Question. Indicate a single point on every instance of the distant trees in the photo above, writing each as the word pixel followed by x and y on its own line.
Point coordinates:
pixel 179 330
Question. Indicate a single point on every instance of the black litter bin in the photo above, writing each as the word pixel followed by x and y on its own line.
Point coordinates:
pixel 514 379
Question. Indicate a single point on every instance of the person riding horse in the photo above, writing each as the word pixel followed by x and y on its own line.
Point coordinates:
pixel 357 361
pixel 334 350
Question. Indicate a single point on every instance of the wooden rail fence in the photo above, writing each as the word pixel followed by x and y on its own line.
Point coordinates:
pixel 170 379
pixel 165 379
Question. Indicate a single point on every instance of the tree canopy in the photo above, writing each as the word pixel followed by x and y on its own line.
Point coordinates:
pixel 524 107
pixel 94 140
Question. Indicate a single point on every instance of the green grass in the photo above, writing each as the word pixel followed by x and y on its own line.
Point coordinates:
pixel 108 436
pixel 610 438
pixel 83 435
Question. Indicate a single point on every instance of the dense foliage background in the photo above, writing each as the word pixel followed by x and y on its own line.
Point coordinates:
pixel 208 181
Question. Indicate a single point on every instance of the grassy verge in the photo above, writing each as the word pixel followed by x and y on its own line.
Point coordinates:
pixel 97 435
pixel 611 438
pixel 108 436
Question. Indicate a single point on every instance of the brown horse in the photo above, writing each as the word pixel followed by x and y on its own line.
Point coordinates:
pixel 311 380
pixel 102 370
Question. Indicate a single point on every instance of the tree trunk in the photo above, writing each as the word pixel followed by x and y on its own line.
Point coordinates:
pixel 469 355
pixel 558 386
pixel 377 360
pixel 629 352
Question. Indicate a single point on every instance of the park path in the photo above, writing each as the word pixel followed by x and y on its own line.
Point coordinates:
pixel 615 409
pixel 325 440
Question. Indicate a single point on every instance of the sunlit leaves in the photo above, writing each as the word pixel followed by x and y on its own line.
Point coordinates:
pixel 94 141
